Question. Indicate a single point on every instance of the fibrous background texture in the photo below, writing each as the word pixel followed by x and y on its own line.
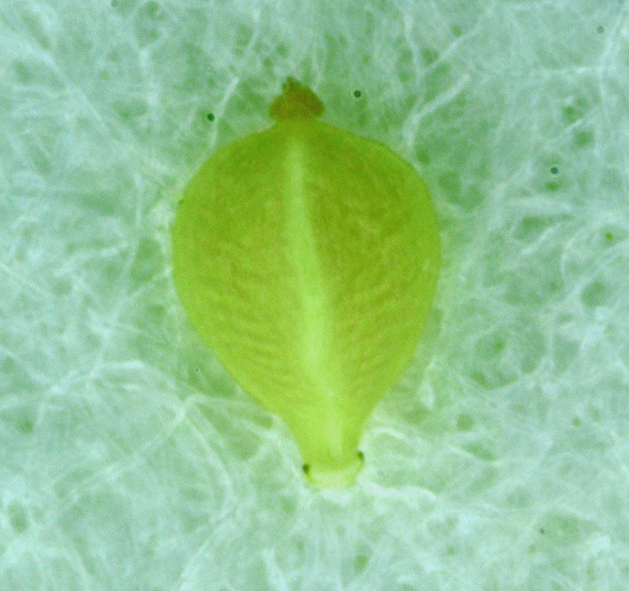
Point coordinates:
pixel 128 457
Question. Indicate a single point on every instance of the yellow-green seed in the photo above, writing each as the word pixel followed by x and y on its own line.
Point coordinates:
pixel 307 258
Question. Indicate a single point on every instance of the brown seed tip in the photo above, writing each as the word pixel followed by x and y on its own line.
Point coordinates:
pixel 296 102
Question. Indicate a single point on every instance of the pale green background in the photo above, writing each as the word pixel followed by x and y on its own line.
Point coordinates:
pixel 130 461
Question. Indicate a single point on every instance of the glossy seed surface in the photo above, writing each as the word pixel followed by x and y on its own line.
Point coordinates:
pixel 307 259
